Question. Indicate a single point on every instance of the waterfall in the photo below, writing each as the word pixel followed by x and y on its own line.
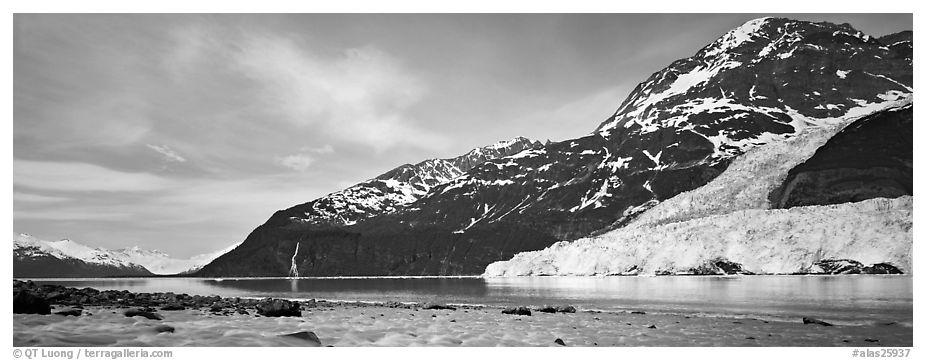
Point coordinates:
pixel 293 271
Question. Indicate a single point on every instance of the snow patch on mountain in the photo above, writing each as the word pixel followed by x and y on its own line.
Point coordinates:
pixel 404 185
pixel 780 241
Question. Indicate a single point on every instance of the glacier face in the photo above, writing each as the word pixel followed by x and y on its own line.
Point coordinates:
pixel 729 220
pixel 780 241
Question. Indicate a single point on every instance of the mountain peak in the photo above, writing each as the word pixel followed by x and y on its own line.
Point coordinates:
pixel 777 74
pixel 741 34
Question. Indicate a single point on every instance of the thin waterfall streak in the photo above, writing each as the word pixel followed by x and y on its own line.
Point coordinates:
pixel 293 271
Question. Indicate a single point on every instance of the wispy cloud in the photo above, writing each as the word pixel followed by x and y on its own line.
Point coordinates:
pixel 298 162
pixel 327 149
pixel 169 154
pixel 305 158
pixel 61 176
pixel 20 197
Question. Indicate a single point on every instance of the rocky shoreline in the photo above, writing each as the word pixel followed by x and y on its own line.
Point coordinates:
pixel 102 318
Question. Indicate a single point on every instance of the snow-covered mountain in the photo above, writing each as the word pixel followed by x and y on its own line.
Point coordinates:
pixel 730 225
pixel 160 263
pixel 66 258
pixel 766 82
pixel 399 187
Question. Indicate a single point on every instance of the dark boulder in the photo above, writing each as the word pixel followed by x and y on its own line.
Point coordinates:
pixel 517 311
pixel 309 337
pixel 438 307
pixel 164 328
pixel 559 342
pixel 546 309
pixel 25 302
pixel 277 307
pixel 566 309
pixel 143 313
pixel 808 320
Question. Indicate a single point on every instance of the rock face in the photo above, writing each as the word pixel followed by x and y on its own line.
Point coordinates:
pixel 849 266
pixel 24 302
pixel 871 158
pixel 762 83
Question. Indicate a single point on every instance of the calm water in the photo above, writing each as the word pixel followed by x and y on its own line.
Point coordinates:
pixel 842 299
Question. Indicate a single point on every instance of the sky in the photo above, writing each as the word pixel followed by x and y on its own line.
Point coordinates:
pixel 183 132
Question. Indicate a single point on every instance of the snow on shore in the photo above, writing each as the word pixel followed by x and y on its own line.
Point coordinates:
pixel 777 241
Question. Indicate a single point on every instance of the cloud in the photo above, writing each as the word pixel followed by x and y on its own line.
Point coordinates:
pixel 169 154
pixel 20 197
pixel 327 149
pixel 361 95
pixel 298 162
pixel 66 176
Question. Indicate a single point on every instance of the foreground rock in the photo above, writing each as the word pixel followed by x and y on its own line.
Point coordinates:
pixel 808 320
pixel 164 328
pixel 25 302
pixel 560 309
pixel 429 306
pixel 278 307
pixel 309 337
pixel 517 311
pixel 143 313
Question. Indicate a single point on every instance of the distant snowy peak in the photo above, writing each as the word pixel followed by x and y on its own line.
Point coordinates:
pixel 399 187
pixel 29 244
pixel 764 81
pixel 134 258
